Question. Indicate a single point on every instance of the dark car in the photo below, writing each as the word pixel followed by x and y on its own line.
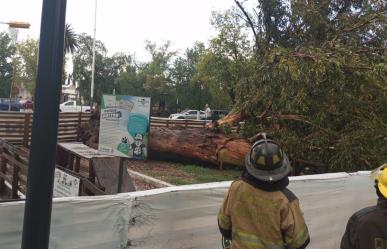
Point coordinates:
pixel 218 114
pixel 28 104
pixel 15 105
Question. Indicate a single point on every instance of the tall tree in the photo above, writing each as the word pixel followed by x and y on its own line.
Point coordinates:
pixel 226 65
pixel 7 51
pixel 191 91
pixel 28 66
pixel 320 76
pixel 157 72
pixel 107 69
pixel 82 61
pixel 71 39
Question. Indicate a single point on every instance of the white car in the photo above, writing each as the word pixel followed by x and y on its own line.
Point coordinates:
pixel 72 106
pixel 189 114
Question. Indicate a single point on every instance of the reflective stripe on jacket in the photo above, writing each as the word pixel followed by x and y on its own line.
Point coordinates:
pixel 257 219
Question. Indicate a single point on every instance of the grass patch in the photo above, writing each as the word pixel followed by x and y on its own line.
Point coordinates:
pixel 180 174
pixel 210 175
pixel 200 174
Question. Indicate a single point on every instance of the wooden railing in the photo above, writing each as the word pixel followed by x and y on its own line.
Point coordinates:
pixel 15 127
pixel 14 169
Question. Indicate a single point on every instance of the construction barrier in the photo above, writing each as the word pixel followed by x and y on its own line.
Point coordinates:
pixel 185 216
pixel 76 223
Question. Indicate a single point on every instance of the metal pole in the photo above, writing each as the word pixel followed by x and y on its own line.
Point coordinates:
pixel 37 212
pixel 120 174
pixel 93 62
pixel 14 34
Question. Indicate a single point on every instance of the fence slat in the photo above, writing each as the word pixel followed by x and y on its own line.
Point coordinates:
pixel 3 169
pixel 26 138
pixel 15 182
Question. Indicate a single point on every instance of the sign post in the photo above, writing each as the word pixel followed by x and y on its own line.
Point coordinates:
pixel 120 174
pixel 124 129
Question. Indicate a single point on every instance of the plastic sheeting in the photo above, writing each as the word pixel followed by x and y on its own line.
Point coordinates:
pixel 76 223
pixel 185 217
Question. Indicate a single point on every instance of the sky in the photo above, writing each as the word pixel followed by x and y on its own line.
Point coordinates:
pixel 124 25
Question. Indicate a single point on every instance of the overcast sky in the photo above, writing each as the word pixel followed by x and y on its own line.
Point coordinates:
pixel 124 25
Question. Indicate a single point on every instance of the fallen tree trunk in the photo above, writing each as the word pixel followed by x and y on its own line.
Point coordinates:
pixel 183 145
pixel 195 144
pixel 198 144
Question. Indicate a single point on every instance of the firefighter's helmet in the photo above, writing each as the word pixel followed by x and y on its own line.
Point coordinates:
pixel 381 179
pixel 266 161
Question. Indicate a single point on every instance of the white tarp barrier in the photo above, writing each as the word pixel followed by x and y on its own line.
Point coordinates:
pixel 185 217
pixel 76 223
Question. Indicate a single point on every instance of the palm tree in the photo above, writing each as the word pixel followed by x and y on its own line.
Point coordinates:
pixel 71 39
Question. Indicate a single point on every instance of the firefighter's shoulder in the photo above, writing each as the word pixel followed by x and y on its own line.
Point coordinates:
pixel 289 195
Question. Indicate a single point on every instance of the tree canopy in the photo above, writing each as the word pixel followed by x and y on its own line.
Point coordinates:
pixel 319 83
pixel 7 52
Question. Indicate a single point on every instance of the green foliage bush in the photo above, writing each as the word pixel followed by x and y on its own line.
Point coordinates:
pixel 320 84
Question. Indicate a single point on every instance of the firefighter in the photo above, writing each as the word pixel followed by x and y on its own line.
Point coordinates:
pixel 367 228
pixel 259 212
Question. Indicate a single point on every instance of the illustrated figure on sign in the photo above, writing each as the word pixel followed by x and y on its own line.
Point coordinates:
pixel 58 175
pixel 123 146
pixel 64 179
pixel 138 147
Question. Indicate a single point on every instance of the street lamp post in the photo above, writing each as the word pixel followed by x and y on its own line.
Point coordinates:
pixel 14 30
pixel 93 61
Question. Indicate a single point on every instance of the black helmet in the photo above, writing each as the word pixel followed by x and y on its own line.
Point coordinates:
pixel 266 161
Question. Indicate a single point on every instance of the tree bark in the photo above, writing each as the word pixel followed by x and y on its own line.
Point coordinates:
pixel 198 145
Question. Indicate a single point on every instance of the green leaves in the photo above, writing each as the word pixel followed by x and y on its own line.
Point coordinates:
pixel 324 60
pixel 7 51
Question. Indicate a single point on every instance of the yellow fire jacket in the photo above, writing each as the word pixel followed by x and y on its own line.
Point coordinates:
pixel 257 219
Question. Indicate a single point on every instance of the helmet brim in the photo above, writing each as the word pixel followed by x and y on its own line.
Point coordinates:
pixel 383 189
pixel 269 175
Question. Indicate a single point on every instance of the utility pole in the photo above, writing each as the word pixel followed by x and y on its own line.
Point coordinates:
pixel 38 205
pixel 14 34
pixel 93 61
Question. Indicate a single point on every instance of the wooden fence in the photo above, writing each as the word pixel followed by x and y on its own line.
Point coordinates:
pixel 15 127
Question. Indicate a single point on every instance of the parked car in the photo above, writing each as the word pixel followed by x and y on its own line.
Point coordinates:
pixel 218 114
pixel 27 104
pixel 15 105
pixel 188 114
pixel 73 106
